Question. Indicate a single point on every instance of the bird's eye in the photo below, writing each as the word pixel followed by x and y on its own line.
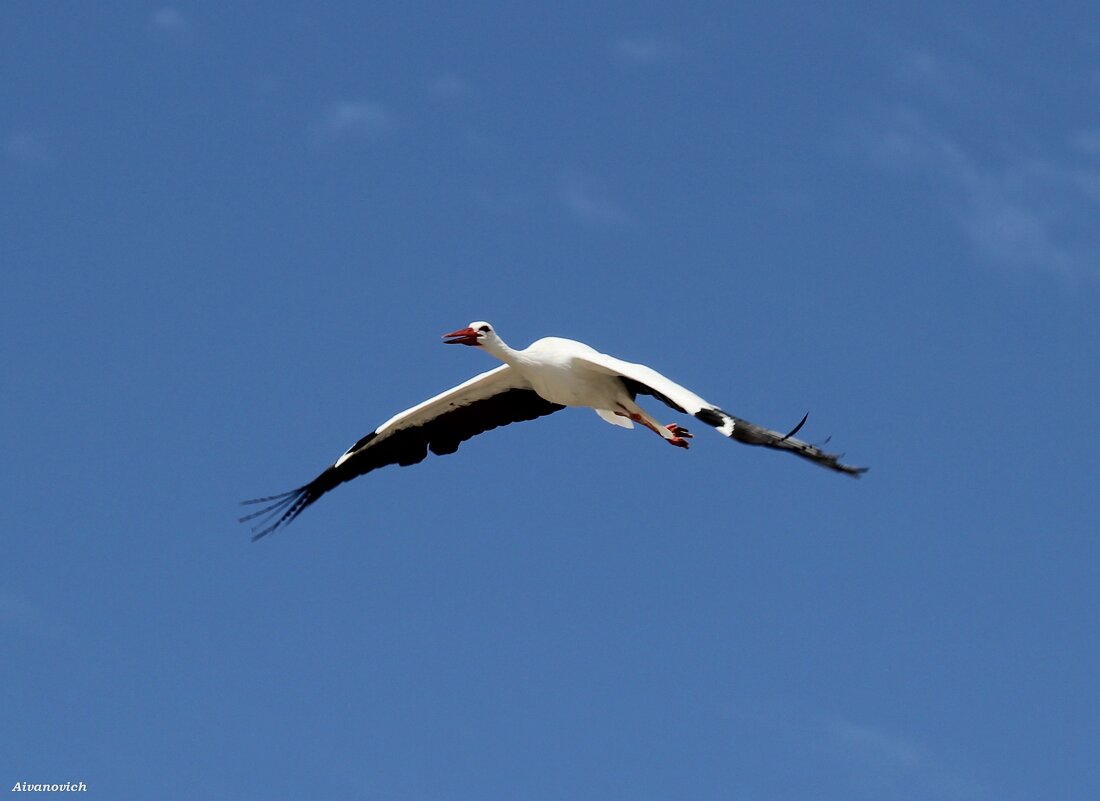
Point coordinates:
pixel 484 329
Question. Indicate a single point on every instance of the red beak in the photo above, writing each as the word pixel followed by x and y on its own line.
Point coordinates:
pixel 465 336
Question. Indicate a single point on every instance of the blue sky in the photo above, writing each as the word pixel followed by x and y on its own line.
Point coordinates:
pixel 231 238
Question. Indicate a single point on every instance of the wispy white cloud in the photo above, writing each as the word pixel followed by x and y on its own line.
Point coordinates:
pixel 891 766
pixel 27 148
pixel 637 51
pixel 353 119
pixel 857 759
pixel 1032 210
pixel 1087 142
pixel 869 745
pixel 450 86
pixel 933 73
pixel 1020 198
pixel 587 202
pixel 169 20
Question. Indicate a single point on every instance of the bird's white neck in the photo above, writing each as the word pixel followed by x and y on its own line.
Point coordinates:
pixel 499 348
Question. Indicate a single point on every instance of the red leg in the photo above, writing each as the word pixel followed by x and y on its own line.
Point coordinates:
pixel 679 437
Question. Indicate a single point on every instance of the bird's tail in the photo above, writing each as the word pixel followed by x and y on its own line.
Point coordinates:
pixel 280 509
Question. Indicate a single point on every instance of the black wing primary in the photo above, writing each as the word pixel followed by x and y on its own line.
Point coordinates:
pixel 439 425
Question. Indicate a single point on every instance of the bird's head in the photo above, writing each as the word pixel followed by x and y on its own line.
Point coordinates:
pixel 476 333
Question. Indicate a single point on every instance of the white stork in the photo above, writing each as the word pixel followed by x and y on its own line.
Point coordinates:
pixel 545 377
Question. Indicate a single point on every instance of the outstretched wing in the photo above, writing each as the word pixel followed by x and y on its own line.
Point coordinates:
pixel 752 434
pixel 642 380
pixel 439 425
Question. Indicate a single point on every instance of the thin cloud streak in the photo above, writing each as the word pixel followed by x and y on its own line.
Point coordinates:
pixel 865 760
pixel 935 75
pixel 1087 142
pixel 170 21
pixel 586 202
pixel 871 745
pixel 27 148
pixel 893 767
pixel 1026 211
pixel 449 86
pixel 1018 204
pixel 640 51
pixel 353 119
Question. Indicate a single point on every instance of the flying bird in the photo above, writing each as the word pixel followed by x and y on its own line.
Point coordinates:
pixel 541 379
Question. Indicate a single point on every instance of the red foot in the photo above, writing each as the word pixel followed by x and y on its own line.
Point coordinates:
pixel 679 431
pixel 679 442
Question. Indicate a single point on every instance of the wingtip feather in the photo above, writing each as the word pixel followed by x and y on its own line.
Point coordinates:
pixel 284 507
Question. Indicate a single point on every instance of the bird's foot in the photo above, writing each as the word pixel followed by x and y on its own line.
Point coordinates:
pixel 679 431
pixel 679 442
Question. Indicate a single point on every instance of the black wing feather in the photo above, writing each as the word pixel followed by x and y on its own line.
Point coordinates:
pixel 636 388
pixel 752 434
pixel 406 446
